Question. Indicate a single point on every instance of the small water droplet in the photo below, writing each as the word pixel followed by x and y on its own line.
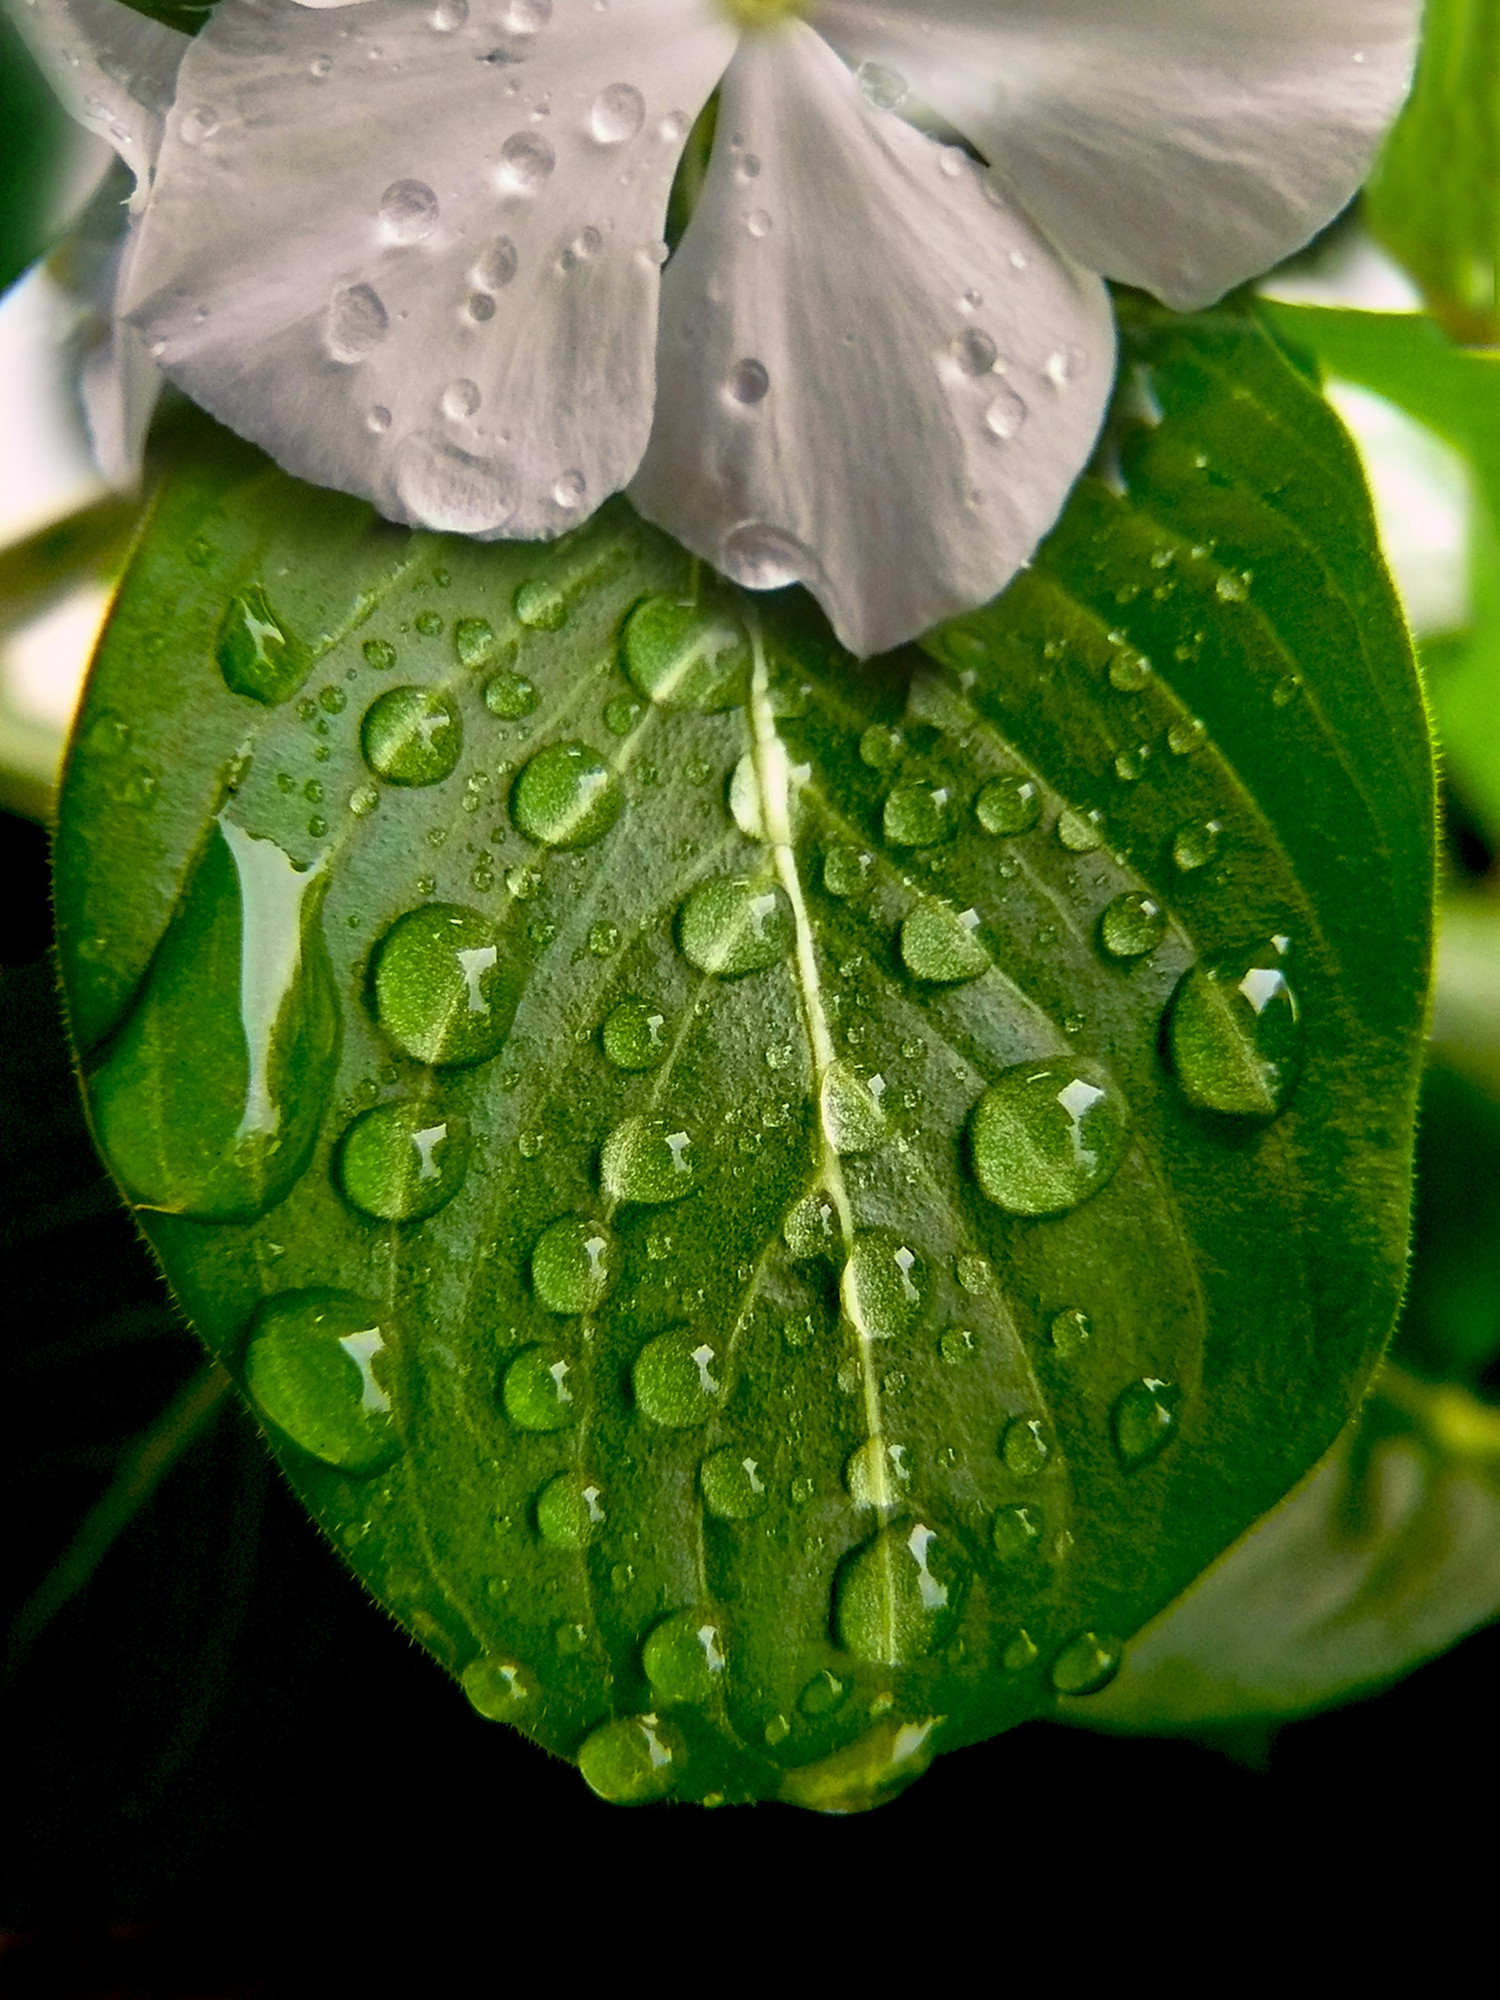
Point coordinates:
pixel 941 946
pixel 356 323
pixel 1016 1533
pixel 567 796
pixel 733 1485
pixel 198 125
pixel 617 114
pixel 1080 832
pixel 1187 735
pixel 677 1379
pixel 257 655
pixel 1070 1332
pixel 731 925
pixel 1144 1420
pixel 898 1598
pixel 1232 589
pixel 408 212
pixel 399 1162
pixel 846 871
pixel 811 1228
pixel 631 1761
pixel 1087 1664
pixel 1194 846
pixel 322 1366
pixel 603 939
pixel 461 399
pixel 445 992
pixel 1286 690
pixel 1046 1136
pixel 537 1390
pixel 412 736
pixel 918 815
pixel 1008 806
pixel 495 266
pixel 1129 671
pixel 878 1474
pixel 498 1688
pixel 526 161
pixel 634 1035
pixel 885 88
pixel 1019 1652
pixel 1132 925
pixel 569 490
pixel 570 1511
pixel 1235 1034
pixel 510 695
pixel 1006 416
pixel 758 223
pixel 749 382
pixel 824 1693
pixel 973 352
pixel 684 1657
pixel 853 1121
pixel 574 1264
pixel 647 1160
pixel 882 1284
pixel 1024 1447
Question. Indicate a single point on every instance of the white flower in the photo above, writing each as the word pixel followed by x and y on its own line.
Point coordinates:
pixel 414 249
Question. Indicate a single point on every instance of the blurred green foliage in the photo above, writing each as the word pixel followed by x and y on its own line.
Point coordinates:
pixel 31 125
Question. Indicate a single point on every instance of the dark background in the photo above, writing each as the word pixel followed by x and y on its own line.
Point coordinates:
pixel 223 1771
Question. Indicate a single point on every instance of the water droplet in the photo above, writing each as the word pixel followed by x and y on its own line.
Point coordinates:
pixel 569 490
pixel 461 399
pixel 510 695
pixel 684 1657
pixel 677 1379
pixel 567 796
pixel 878 1474
pixel 212 1093
pixel 526 161
pixel 1235 1033
pixel 537 1391
pixel 402 1161
pixel 322 1366
pixel 973 351
pixel 408 212
pixel 618 113
pixel 881 748
pixel 733 1486
pixel 941 946
pixel 430 624
pixel 198 125
pixel 1080 833
pixel 918 815
pixel 541 606
pixel 1065 366
pixel 898 1597
pixel 631 1762
pixel 687 655
pixel 412 736
pixel 1019 1652
pixel 634 1035
pixel 975 1274
pixel 1024 1447
pixel 356 323
pixel 603 939
pixel 621 714
pixel 885 88
pixel 574 1264
pixel 1145 1420
pixel 1016 1534
pixel 1187 735
pixel 448 15
pixel 570 1511
pixel 257 655
pixel 1070 1332
pixel 377 420
pixel 881 1286
pixel 731 925
pixel 647 1160
pixel 1046 1136
pixel 1129 671
pixel 1008 806
pixel 455 492
pixel 1087 1664
pixel 380 654
pixel 853 1121
pixel 762 557
pixel 824 1693
pixel 758 223
pixel 846 871
pixel 495 266
pixel 749 383
pixel 498 1688
pixel 1194 846
pixel 1132 925
pixel 445 992
pixel 1286 690
pixel 1232 589
pixel 1006 415
pixel 812 1227
pixel 363 800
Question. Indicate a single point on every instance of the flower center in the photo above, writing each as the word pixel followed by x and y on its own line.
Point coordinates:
pixel 762 13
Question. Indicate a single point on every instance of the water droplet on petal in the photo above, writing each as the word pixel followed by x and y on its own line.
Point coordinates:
pixel 495 266
pixel 748 382
pixel 567 796
pixel 322 1366
pixel 973 351
pixel 677 1379
pixel 1235 1034
pixel 356 323
pixel 761 557
pixel 1006 415
pixel 402 1161
pixel 461 399
pixel 526 161
pixel 618 113
pixel 885 88
pixel 569 490
pixel 408 212
pixel 1046 1136
pixel 758 223
pixel 898 1597
pixel 198 125
pixel 455 492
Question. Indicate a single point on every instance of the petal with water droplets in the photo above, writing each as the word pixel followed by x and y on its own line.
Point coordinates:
pixel 873 379
pixel 416 255
pixel 1180 145
pixel 112 68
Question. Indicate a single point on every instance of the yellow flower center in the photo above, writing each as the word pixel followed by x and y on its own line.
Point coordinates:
pixel 763 13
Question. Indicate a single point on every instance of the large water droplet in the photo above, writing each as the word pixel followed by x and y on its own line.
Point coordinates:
pixel 498 1688
pixel 408 212
pixel 456 492
pixel 647 1160
pixel 526 161
pixel 538 1390
pixel 1008 806
pixel 1145 1420
pixel 322 1366
pixel 356 323
pixel 686 655
pixel 919 815
pixel 731 925
pixel 1132 925
pixel 1046 1136
pixel 257 655
pixel 878 1474
pixel 1235 1033
pixel 1016 1534
pixel 733 1486
pixel 567 796
pixel 402 1161
pixel 444 991
pixel 210 1100
pixel 1024 1447
pixel 1087 1664
pixel 412 736
pixel 940 945
pixel 684 1657
pixel 899 1597
pixel 677 1379
pixel 853 1121
pixel 618 113
pixel 631 1762
pixel 574 1264
pixel 885 88
pixel 634 1035
pixel 570 1511
pixel 881 1286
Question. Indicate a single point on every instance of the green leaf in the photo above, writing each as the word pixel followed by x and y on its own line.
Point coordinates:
pixel 1434 198
pixel 845 1186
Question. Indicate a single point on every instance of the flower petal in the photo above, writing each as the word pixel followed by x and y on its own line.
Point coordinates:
pixel 113 69
pixel 416 256
pixel 872 378
pixel 115 381
pixel 1180 145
